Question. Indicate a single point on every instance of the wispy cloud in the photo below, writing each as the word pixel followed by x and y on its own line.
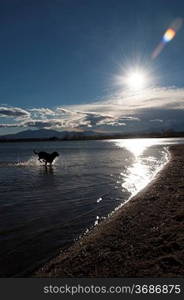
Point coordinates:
pixel 7 125
pixel 51 123
pixel 156 120
pixel 41 112
pixel 13 112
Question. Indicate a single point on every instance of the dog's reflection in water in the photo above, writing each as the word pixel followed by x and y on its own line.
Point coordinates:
pixel 47 169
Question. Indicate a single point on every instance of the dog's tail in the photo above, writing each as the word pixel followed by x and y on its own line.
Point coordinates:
pixel 35 152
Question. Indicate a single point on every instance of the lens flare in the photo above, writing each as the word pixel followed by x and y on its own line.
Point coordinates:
pixel 169 35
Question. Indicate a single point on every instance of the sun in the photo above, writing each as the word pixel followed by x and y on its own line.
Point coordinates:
pixel 136 80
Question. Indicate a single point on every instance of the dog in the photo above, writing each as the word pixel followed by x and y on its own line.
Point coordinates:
pixel 46 157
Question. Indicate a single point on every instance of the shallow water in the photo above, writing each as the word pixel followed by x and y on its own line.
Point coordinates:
pixel 44 209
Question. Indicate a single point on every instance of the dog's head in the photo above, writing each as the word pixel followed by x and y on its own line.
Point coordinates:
pixel 55 154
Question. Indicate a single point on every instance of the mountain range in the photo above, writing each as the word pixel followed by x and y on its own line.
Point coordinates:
pixel 49 134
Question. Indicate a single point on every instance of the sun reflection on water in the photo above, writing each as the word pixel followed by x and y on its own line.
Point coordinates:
pixel 136 146
pixel 137 177
pixel 144 167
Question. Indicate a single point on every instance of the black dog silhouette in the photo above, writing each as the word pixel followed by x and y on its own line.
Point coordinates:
pixel 46 157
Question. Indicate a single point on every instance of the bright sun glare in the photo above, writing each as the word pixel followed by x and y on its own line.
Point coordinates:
pixel 136 80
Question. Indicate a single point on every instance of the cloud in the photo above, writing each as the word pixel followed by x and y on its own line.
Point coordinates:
pixel 50 123
pixel 13 112
pixel 93 119
pixel 64 111
pixel 42 112
pixel 147 109
pixel 157 120
pixel 7 125
pixel 127 103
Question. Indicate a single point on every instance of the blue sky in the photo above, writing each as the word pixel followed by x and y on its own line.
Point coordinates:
pixel 60 60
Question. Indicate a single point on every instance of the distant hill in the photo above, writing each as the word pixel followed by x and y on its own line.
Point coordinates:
pixel 48 134
pixel 53 135
pixel 41 133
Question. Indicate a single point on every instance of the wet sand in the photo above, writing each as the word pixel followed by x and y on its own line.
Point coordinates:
pixel 144 238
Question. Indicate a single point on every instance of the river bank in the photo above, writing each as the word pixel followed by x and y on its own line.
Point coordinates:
pixel 145 238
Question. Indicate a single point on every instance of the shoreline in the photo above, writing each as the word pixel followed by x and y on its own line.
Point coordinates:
pixel 143 238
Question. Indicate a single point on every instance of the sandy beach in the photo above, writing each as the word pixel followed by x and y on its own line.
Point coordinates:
pixel 144 238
